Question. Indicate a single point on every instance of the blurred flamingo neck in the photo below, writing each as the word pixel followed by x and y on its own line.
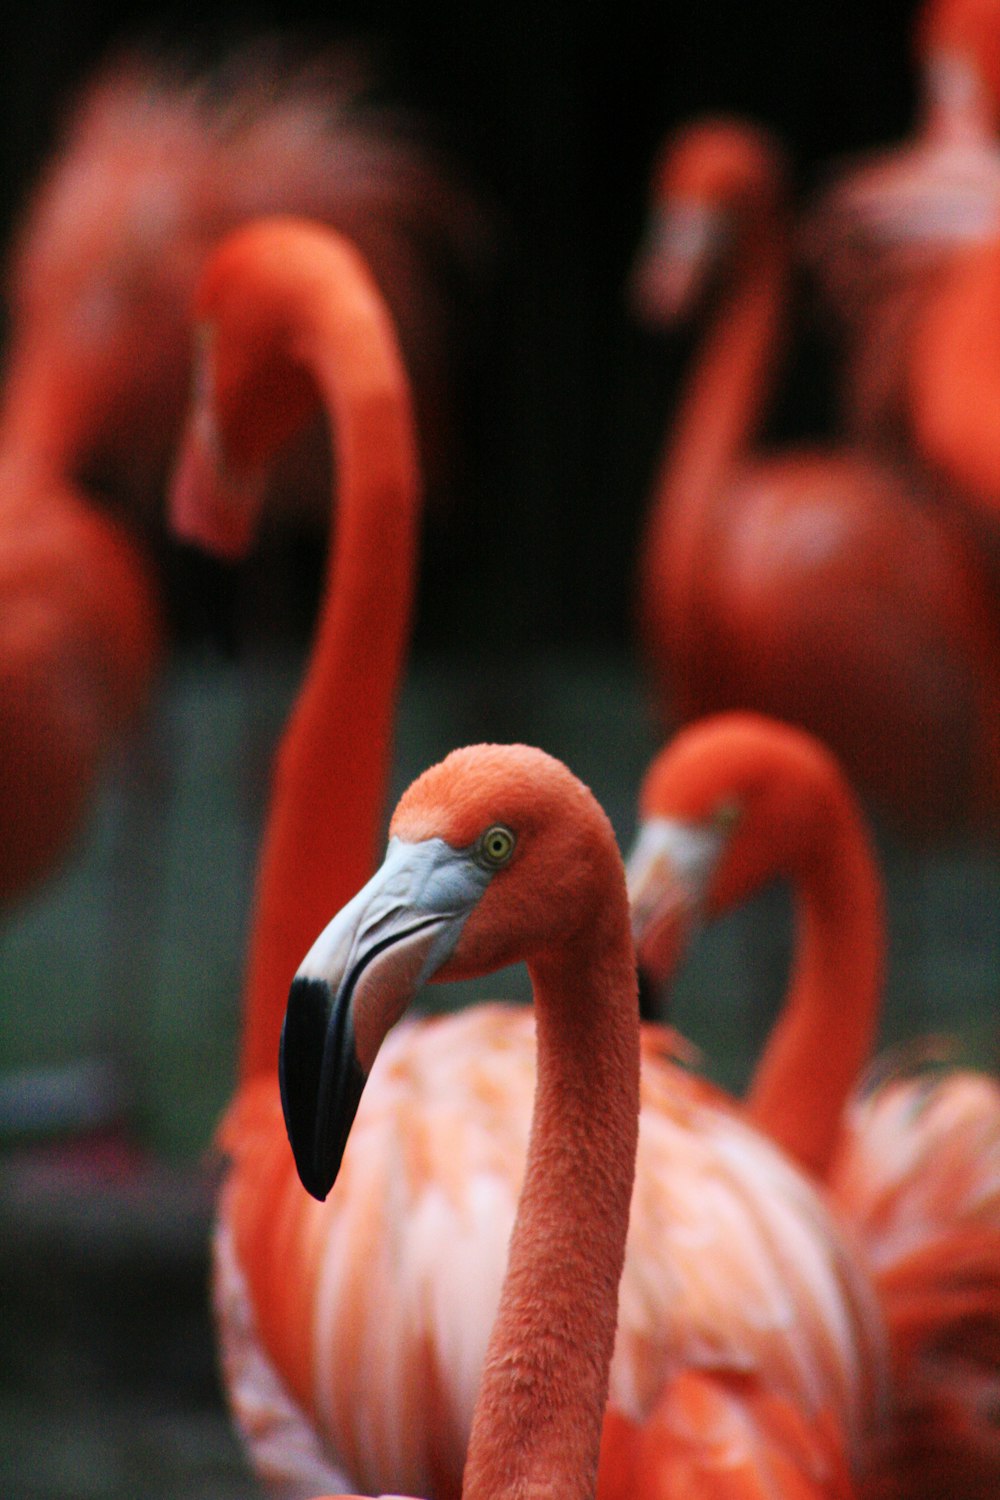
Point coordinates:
pixel 537 1425
pixel 330 776
pixel 717 421
pixel 827 1028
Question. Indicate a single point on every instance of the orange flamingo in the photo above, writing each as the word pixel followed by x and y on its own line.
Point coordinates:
pixel 809 584
pixel 911 1160
pixel 498 854
pixel 157 164
pixel 312 1302
pixel 885 229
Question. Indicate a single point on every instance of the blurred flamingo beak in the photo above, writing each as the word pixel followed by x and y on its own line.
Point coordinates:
pixel 681 243
pixel 668 872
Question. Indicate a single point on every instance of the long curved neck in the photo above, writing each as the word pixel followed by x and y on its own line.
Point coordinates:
pixel 537 1424
pixel 717 421
pixel 827 1028
pixel 330 777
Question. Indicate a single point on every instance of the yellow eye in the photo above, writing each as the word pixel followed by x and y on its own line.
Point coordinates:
pixel 496 846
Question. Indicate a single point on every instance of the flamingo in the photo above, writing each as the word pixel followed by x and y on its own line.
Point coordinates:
pixel 910 1155
pixel 352 1350
pixel 500 854
pixel 810 584
pixel 495 855
pixel 157 163
pixel 886 228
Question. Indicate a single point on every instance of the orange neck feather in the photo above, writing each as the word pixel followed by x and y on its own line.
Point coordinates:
pixel 537 1424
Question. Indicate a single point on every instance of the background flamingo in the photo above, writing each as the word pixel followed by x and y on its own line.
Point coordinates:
pixel 886 228
pixel 158 161
pixel 912 1159
pixel 812 584
pixel 464 1084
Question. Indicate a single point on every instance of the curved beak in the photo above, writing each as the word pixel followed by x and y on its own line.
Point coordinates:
pixel 668 873
pixel 681 243
pixel 208 505
pixel 355 982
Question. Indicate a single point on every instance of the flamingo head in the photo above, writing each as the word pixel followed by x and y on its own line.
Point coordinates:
pixel 734 801
pixel 496 855
pixel 713 180
pixel 249 395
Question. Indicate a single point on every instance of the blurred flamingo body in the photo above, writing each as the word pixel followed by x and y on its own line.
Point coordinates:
pixel 352 1348
pixel 911 1157
pixel 812 585
pixel 80 639
pixel 886 229
pixel 156 166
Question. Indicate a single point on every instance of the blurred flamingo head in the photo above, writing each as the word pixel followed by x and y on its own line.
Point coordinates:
pixel 713 181
pixel 733 802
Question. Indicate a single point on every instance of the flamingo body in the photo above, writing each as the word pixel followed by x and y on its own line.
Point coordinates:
pixel 80 640
pixel 725 1240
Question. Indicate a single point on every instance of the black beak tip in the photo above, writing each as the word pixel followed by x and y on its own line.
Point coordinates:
pixel 321 1083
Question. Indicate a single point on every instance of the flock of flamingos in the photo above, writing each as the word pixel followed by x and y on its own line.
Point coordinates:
pixel 516 1253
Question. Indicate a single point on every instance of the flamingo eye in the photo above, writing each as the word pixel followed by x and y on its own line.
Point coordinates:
pixel 727 815
pixel 495 847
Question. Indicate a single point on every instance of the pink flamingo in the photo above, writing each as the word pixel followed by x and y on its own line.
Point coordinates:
pixel 911 1159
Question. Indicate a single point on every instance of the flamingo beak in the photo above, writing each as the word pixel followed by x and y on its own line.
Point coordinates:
pixel 668 873
pixel 681 243
pixel 210 506
pixel 355 982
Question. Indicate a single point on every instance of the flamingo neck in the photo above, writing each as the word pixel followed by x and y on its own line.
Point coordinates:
pixel 716 423
pixel 827 1028
pixel 330 776
pixel 537 1425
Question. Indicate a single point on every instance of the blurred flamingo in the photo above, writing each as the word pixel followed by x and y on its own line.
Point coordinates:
pixel 80 638
pixel 157 163
pixel 349 1347
pixel 911 1157
pixel 811 584
pixel 886 228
